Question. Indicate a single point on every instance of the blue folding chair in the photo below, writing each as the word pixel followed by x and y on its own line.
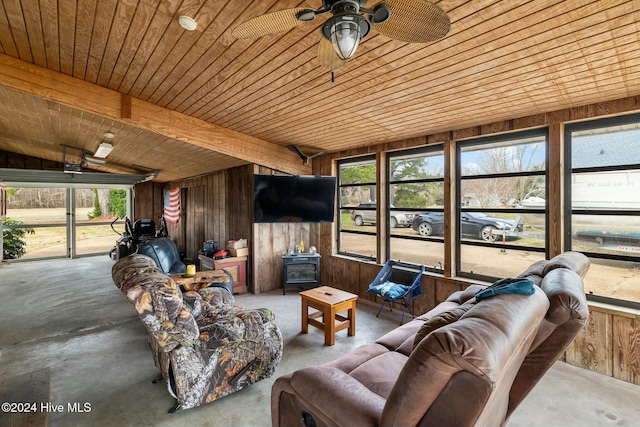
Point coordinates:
pixel 397 283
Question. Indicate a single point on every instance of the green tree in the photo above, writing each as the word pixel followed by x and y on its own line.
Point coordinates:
pixel 13 239
pixel 412 195
pixel 416 195
pixel 97 210
pixel 118 203
pixel 358 174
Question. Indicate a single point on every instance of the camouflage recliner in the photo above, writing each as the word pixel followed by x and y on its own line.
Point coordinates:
pixel 204 345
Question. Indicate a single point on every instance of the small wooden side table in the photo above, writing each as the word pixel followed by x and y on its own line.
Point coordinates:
pixel 329 302
pixel 200 280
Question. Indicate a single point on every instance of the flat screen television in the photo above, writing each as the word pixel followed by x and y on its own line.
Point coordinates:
pixel 293 198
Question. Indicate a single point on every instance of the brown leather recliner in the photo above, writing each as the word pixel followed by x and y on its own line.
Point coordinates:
pixel 461 364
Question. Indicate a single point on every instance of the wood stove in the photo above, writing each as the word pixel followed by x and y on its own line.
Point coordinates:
pixel 300 271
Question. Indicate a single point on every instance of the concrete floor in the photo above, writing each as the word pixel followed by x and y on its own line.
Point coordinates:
pixel 69 316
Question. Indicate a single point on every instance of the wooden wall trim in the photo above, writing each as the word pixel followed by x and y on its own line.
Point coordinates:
pixel 450 230
pixel 632 313
pixel 382 220
pixel 555 174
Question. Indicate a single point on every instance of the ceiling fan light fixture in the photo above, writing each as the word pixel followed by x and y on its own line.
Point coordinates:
pixel 345 32
pixel 345 38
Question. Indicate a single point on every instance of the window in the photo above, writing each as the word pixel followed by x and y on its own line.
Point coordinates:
pixel 416 206
pixel 603 214
pixel 501 219
pixel 357 207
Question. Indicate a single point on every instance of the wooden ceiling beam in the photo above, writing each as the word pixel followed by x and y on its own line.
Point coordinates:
pixel 75 93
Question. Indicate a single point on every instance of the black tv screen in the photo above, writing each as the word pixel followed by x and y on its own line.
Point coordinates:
pixel 293 198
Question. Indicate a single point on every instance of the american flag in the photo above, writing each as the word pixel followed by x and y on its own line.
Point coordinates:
pixel 172 205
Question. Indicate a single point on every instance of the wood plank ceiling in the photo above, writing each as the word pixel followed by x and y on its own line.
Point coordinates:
pixel 502 59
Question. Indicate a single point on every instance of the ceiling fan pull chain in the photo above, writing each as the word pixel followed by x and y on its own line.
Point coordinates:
pixel 332 77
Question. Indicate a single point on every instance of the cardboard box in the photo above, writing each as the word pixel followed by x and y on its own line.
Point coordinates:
pixel 237 244
pixel 239 252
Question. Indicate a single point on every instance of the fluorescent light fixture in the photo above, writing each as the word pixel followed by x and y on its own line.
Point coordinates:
pixel 103 150
pixel 95 162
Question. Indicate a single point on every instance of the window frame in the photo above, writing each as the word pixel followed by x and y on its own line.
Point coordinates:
pixel 568 205
pixel 339 227
pixel 391 156
pixel 459 210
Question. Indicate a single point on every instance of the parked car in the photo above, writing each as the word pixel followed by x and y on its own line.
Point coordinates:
pixel 473 224
pixel 368 216
pixel 429 223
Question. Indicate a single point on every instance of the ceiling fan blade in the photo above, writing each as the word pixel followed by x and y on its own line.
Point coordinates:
pixel 271 23
pixel 327 56
pixel 297 151
pixel 318 154
pixel 413 21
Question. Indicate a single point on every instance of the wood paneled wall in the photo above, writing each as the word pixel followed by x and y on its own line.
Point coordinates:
pixel 147 201
pixel 609 344
pixel 216 206
pixel 11 160
pixel 271 241
pixel 219 206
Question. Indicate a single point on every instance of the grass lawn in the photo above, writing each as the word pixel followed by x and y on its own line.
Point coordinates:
pixel 44 237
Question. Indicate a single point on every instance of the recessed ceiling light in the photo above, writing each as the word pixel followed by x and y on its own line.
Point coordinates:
pixel 187 23
pixel 109 135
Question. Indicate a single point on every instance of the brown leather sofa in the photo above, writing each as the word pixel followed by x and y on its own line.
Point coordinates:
pixel 464 363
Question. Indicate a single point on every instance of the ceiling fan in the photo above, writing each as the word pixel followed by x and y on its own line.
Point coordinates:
pixel 412 21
